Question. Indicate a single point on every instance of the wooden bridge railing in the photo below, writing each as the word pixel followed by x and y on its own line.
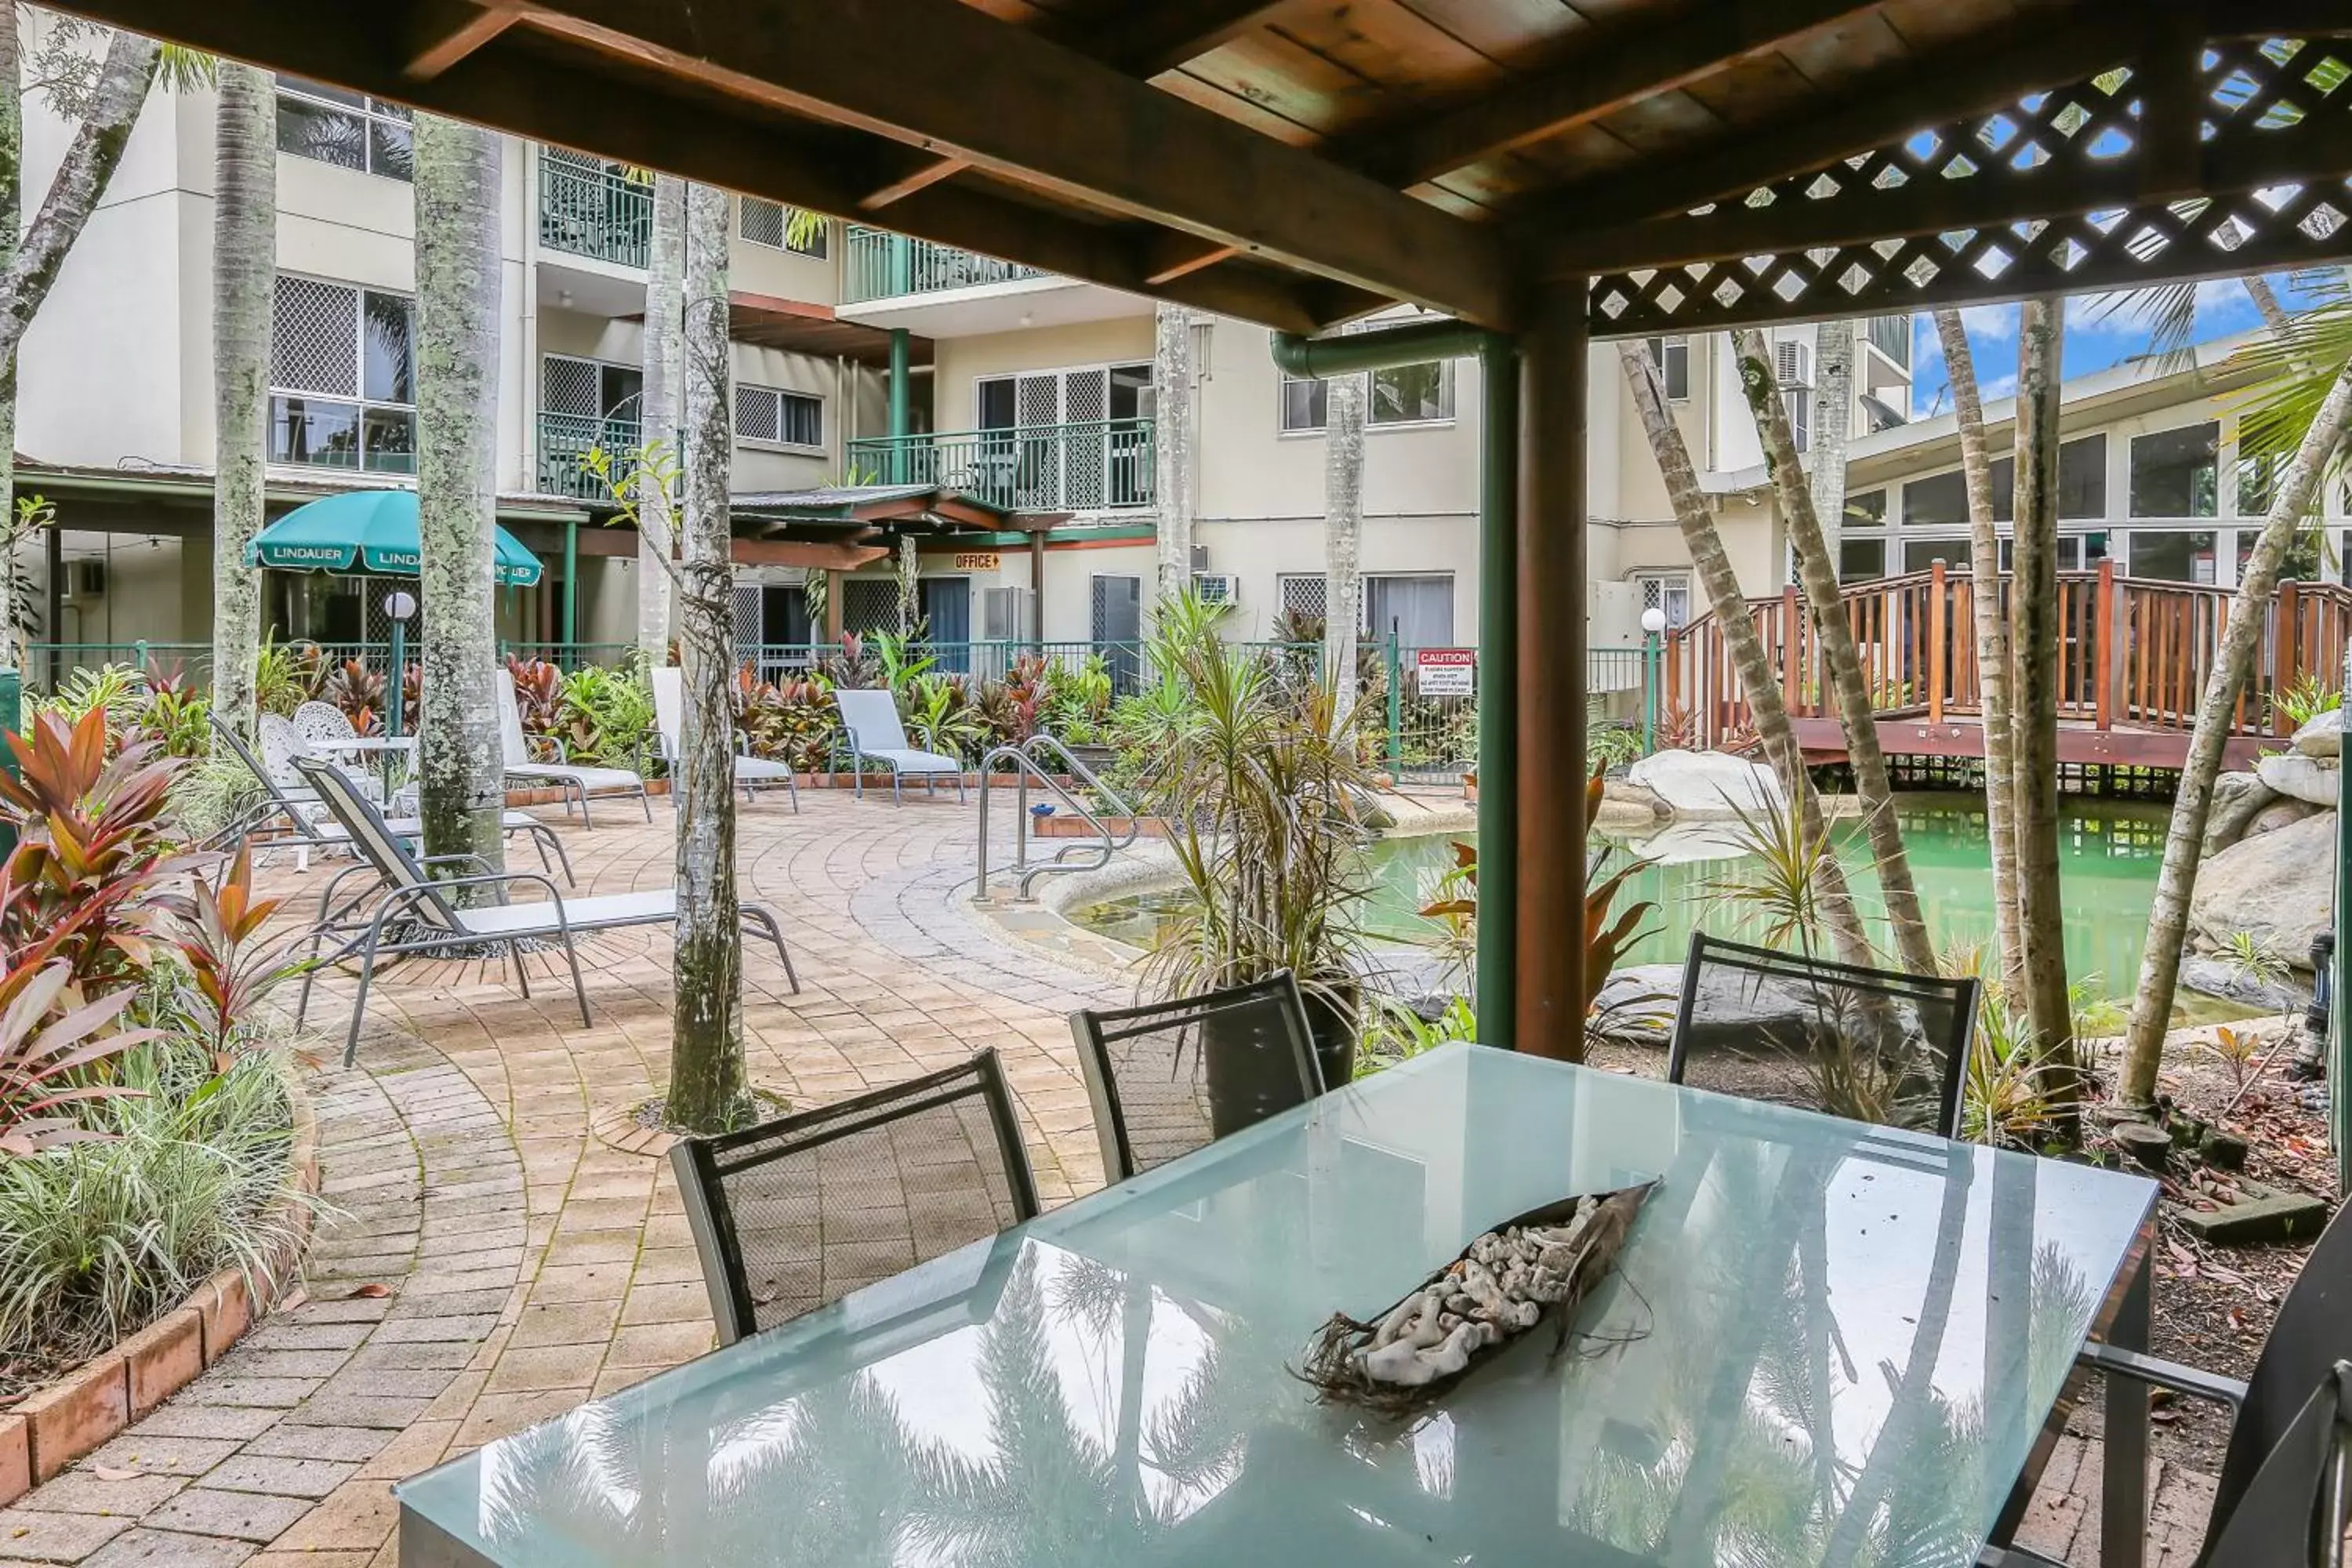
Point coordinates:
pixel 2132 652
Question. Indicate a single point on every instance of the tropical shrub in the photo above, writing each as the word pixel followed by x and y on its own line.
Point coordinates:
pixel 940 717
pixel 287 675
pixel 899 661
pixel 358 691
pixel 792 721
pixel 46 1047
pixel 2302 701
pixel 852 665
pixel 1076 701
pixel 606 718
pixel 539 697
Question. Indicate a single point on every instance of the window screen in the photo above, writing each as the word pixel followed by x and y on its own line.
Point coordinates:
pixel 770 414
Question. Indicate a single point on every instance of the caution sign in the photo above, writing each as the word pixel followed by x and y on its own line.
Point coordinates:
pixel 1446 671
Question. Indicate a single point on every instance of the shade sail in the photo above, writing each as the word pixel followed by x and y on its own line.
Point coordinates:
pixel 371 531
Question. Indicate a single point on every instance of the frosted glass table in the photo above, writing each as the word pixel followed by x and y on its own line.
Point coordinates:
pixel 1827 1344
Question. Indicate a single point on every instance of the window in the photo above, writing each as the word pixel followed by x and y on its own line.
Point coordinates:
pixel 763 222
pixel 1799 400
pixel 2081 481
pixel 2258 483
pixel 784 418
pixel 348 129
pixel 589 389
pixel 1891 335
pixel 1939 500
pixel 1407 395
pixel 1867 509
pixel 1672 356
pixel 1860 559
pixel 1303 594
pixel 1667 591
pixel 1418 609
pixel 1919 554
pixel 2173 557
pixel 343 377
pixel 2175 473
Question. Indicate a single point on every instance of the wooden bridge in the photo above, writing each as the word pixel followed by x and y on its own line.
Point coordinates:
pixel 2133 658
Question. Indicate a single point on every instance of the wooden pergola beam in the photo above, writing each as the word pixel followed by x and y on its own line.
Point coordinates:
pixel 902 69
pixel 443 32
pixel 1608 68
pixel 1882 107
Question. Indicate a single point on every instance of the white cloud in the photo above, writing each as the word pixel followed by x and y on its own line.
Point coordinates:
pixel 1998 322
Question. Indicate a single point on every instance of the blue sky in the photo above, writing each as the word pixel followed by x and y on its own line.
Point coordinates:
pixel 2101 331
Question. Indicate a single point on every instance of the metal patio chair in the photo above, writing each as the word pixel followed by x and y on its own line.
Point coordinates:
pixel 578 782
pixel 2288 1434
pixel 428 922
pixel 1150 1078
pixel 798 1212
pixel 669 721
pixel 1872 1045
pixel 870 720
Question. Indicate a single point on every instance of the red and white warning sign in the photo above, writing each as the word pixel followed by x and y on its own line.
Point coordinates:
pixel 1446 671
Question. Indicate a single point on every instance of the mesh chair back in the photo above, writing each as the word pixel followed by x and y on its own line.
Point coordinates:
pixel 2312 1334
pixel 365 826
pixel 798 1212
pixel 1872 1045
pixel 1176 1076
pixel 511 745
pixel 263 776
pixel 669 709
pixel 2292 1512
pixel 872 718
pixel 324 722
pixel 281 747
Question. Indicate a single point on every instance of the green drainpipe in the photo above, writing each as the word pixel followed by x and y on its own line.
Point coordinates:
pixel 2339 1029
pixel 901 407
pixel 12 719
pixel 572 583
pixel 1498 616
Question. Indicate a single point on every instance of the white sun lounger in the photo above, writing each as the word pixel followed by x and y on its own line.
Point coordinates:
pixel 871 721
pixel 669 717
pixel 577 781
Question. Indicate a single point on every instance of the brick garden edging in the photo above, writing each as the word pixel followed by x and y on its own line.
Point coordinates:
pixel 95 1402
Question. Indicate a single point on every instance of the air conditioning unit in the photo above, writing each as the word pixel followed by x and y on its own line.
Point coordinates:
pixel 1008 615
pixel 1792 363
pixel 1217 587
pixel 85 579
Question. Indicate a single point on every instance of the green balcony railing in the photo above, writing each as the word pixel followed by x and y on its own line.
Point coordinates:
pixel 565 442
pixel 885 266
pixel 1103 465
pixel 591 209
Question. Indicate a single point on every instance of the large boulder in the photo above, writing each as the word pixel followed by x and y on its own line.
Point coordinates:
pixel 2278 888
pixel 2279 814
pixel 1708 784
pixel 2238 799
pixel 2316 779
pixel 2216 976
pixel 2323 737
pixel 1637 1004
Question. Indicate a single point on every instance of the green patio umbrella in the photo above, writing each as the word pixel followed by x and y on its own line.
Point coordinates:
pixel 369 530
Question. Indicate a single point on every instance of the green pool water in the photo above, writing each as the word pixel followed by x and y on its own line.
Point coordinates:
pixel 2109 852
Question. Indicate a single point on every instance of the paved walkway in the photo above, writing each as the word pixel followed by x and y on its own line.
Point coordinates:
pixel 499 1263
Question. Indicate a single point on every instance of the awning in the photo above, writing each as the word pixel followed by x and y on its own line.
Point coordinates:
pixel 371 531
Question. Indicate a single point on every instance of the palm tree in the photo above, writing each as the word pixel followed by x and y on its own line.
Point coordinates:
pixel 2040 907
pixel 1343 532
pixel 658 413
pixel 1840 659
pixel 1993 667
pixel 245 265
pixel 1712 565
pixel 1171 445
pixel 461 767
pixel 706 1075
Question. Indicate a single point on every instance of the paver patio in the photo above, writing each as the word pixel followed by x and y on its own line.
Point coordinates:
pixel 527 1265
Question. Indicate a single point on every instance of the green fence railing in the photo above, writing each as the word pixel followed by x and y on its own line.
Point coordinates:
pixel 884 265
pixel 1101 465
pixel 565 442
pixel 590 209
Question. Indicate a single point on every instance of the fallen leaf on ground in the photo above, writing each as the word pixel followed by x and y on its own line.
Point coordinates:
pixel 115 1473
pixel 370 1291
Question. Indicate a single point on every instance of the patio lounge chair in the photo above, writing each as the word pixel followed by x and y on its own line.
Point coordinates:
pixel 303 810
pixel 429 922
pixel 1148 1084
pixel 578 782
pixel 1874 1045
pixel 907 1174
pixel 870 718
pixel 669 717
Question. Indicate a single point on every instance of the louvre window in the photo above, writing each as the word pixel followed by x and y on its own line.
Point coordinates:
pixel 343 377
pixel 1672 356
pixel 1406 394
pixel 763 222
pixel 348 129
pixel 784 418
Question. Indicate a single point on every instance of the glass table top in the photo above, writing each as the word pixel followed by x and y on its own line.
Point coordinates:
pixel 1825 1343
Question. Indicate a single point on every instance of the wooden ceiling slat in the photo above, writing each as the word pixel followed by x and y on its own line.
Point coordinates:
pixel 1235 106
pixel 1395 49
pixel 1276 75
pixel 1509 32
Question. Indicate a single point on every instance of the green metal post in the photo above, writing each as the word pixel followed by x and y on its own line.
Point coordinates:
pixel 571 584
pixel 1653 646
pixel 1396 709
pixel 12 719
pixel 396 682
pixel 2340 1026
pixel 1499 618
pixel 901 406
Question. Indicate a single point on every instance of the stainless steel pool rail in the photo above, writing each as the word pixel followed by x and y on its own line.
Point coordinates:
pixel 1026 762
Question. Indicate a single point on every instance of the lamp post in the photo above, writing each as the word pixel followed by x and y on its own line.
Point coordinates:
pixel 398 606
pixel 1654 626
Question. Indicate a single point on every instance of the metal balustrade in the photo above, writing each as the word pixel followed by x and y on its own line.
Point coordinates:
pixel 565 442
pixel 884 265
pixel 587 208
pixel 1101 465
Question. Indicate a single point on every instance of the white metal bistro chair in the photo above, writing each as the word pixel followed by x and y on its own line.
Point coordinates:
pixel 430 923
pixel 577 783
pixel 870 718
pixel 669 717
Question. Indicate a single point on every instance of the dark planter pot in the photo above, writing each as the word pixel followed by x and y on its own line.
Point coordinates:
pixel 1250 1076
pixel 1095 758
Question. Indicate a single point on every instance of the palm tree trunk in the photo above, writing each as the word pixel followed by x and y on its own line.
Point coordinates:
pixel 658 415
pixel 90 160
pixel 1712 564
pixel 706 1073
pixel 2160 964
pixel 2042 915
pixel 13 531
pixel 1343 535
pixel 1825 464
pixel 1171 445
pixel 1993 667
pixel 461 766
pixel 1841 661
pixel 2266 301
pixel 245 267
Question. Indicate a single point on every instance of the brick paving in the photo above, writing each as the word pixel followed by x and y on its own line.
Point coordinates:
pixel 496 1264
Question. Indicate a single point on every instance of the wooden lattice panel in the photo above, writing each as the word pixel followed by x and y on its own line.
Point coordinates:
pixel 2274 142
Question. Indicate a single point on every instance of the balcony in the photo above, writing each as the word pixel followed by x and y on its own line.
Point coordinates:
pixel 885 266
pixel 565 442
pixel 588 207
pixel 1104 464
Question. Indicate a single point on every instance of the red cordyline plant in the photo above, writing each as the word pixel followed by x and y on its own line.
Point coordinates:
pixel 232 967
pixel 42 1057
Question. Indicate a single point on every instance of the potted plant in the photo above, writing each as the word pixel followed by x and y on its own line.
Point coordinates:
pixel 1268 794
